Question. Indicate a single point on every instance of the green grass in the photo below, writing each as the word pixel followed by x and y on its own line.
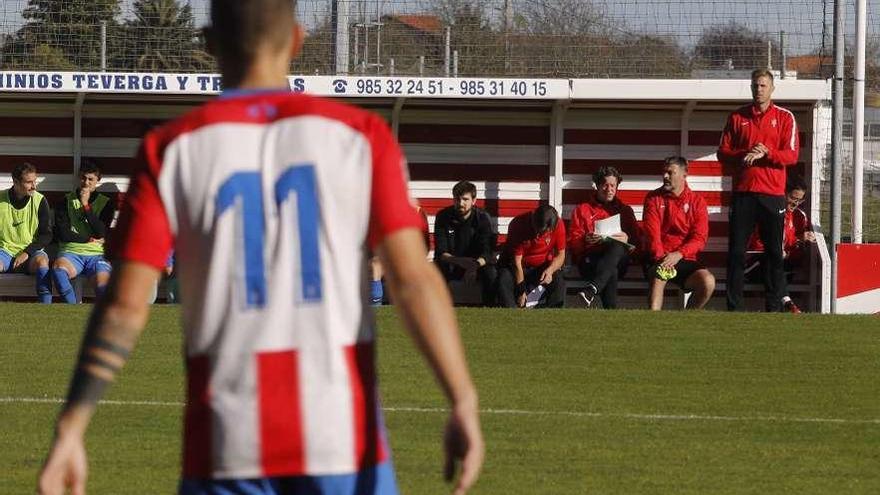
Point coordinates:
pixel 870 217
pixel 608 402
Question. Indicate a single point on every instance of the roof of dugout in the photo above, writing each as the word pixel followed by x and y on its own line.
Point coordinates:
pixel 198 87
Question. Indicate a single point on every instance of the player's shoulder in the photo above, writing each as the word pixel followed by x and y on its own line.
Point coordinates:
pixel 695 197
pixel 784 111
pixel 581 209
pixel 655 194
pixel 266 108
pixel 481 214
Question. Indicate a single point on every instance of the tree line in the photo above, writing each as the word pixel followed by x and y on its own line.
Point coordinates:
pixel 545 38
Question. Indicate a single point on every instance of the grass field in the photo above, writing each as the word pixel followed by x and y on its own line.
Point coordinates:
pixel 574 401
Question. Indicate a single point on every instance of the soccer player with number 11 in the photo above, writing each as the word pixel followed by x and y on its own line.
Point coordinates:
pixel 272 201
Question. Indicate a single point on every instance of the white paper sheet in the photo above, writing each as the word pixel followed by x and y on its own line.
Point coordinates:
pixel 608 226
pixel 534 297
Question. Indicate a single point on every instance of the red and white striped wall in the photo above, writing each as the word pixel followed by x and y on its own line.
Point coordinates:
pixel 502 150
pixel 858 278
pixel 53 134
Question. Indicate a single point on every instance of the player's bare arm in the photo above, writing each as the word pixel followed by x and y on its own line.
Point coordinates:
pixel 111 334
pixel 424 303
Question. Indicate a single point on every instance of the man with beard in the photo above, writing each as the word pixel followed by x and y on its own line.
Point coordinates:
pixel 676 225
pixel 464 242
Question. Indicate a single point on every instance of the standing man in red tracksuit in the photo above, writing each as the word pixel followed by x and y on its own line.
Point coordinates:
pixel 676 226
pixel 759 141
pixel 602 261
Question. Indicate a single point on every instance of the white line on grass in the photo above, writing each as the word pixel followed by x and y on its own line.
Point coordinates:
pixel 512 412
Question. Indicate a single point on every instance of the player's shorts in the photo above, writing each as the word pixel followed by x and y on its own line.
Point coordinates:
pixel 6 261
pixel 684 269
pixel 377 480
pixel 87 266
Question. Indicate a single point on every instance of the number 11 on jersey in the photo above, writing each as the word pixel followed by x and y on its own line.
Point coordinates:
pixel 246 187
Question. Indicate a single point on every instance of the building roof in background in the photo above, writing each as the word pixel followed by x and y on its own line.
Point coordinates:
pixel 810 65
pixel 420 22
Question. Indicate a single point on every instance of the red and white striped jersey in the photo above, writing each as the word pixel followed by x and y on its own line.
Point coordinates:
pixel 271 201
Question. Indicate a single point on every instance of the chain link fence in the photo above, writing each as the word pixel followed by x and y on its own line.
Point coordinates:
pixel 538 38
pixel 535 38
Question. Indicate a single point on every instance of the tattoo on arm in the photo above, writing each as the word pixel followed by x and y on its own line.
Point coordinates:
pixel 106 345
pixel 99 362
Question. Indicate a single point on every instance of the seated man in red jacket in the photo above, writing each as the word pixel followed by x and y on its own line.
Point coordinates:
pixel 676 226
pixel 533 256
pixel 602 260
pixel 796 234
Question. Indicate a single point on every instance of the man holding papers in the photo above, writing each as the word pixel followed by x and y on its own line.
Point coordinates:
pixel 601 237
pixel 533 256
pixel 676 225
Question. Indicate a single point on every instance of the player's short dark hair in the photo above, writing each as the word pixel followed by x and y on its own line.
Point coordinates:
pixel 462 188
pixel 89 167
pixel 21 169
pixel 795 183
pixel 240 27
pixel 676 160
pixel 606 171
pixel 758 73
pixel 545 218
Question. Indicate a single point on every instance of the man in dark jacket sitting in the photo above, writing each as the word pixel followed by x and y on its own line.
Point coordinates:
pixel 464 242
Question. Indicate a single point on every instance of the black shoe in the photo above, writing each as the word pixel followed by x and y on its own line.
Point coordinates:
pixel 588 295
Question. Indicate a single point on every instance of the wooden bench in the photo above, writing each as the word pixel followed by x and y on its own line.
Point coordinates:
pixel 633 288
pixel 19 287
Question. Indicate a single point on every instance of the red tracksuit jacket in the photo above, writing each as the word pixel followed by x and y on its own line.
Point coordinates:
pixel 583 222
pixel 675 223
pixel 777 130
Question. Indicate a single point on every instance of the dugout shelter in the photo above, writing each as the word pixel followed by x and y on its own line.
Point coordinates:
pixel 523 142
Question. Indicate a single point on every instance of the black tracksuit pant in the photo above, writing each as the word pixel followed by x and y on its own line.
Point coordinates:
pixel 553 298
pixel 603 268
pixel 486 274
pixel 768 212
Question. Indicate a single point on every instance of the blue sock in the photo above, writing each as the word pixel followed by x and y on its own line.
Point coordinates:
pixel 44 285
pixel 99 290
pixel 376 292
pixel 62 283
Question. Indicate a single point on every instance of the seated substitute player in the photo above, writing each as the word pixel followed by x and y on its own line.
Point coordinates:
pixel 797 233
pixel 26 229
pixel 533 255
pixel 281 390
pixel 82 220
pixel 602 261
pixel 676 228
pixel 464 242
